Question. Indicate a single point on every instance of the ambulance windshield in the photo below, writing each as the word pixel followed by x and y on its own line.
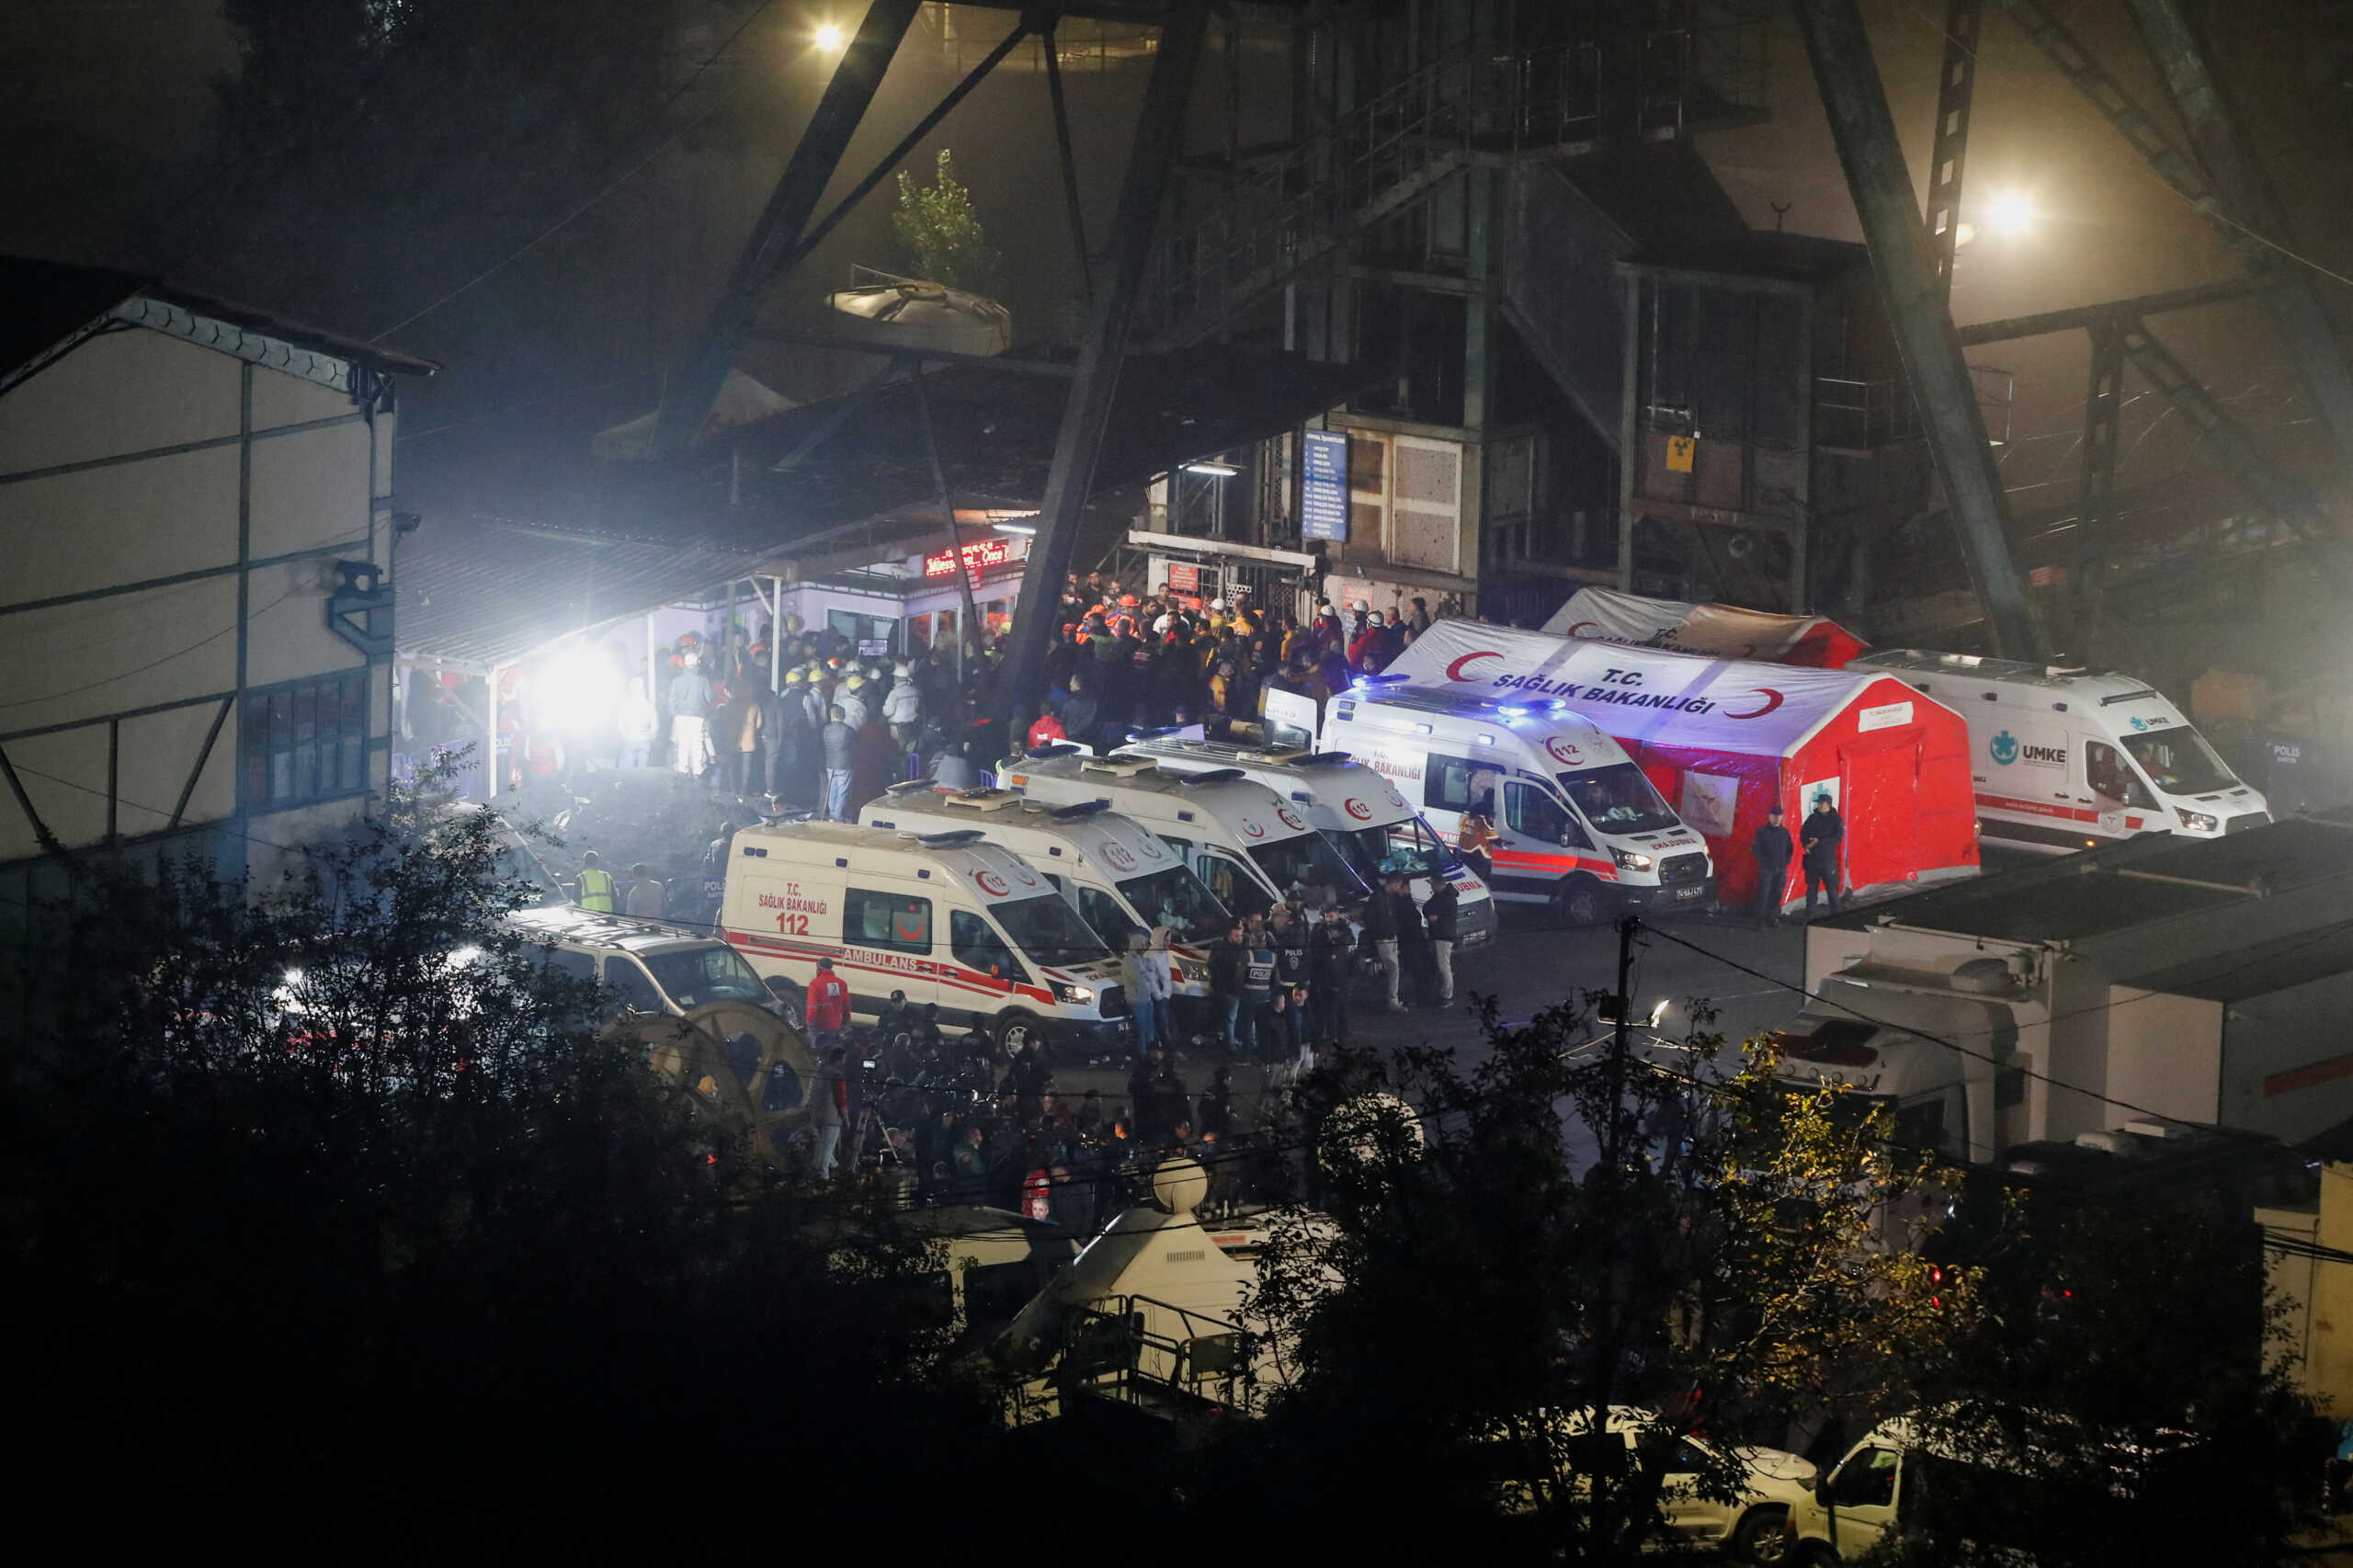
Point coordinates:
pixel 2178 761
pixel 1307 861
pixel 1177 899
pixel 1619 799
pixel 1047 929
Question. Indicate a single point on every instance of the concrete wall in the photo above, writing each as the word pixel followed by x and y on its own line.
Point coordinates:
pixel 2317 1295
pixel 150 486
pixel 2287 1063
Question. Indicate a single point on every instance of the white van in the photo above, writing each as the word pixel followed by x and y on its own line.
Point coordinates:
pixel 1578 824
pixel 1250 846
pixel 645 966
pixel 1117 873
pixel 943 916
pixel 1357 811
pixel 2066 759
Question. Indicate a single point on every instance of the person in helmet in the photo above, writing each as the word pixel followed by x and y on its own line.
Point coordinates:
pixel 903 710
pixel 851 700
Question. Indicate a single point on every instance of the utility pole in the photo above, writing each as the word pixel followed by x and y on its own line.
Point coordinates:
pixel 1620 1046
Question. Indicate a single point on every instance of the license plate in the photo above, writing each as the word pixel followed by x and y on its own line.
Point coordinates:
pixel 1687 893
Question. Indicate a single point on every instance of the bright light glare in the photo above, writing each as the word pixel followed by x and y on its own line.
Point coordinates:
pixel 829 37
pixel 2011 213
pixel 579 690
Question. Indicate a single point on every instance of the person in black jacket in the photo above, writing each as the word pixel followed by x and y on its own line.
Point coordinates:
pixel 1820 836
pixel 1229 970
pixel 1440 916
pixel 1330 949
pixel 1381 930
pixel 1771 848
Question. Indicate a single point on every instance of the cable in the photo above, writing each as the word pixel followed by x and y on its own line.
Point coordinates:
pixel 249 616
pixel 1985 1057
pixel 631 173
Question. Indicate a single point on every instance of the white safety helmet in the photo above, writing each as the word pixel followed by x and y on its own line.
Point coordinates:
pixel 901 671
pixel 1217 604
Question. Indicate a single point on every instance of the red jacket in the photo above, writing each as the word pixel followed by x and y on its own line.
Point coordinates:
pixel 828 1005
pixel 1046 731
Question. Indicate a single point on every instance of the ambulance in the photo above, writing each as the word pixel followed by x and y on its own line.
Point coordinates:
pixel 2065 759
pixel 946 917
pixel 1578 826
pixel 1358 812
pixel 1249 846
pixel 1116 873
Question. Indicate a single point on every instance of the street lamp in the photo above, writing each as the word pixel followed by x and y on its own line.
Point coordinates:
pixel 829 39
pixel 2011 213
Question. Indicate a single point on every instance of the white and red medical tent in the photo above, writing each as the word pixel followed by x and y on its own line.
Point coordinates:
pixel 1724 632
pixel 1724 739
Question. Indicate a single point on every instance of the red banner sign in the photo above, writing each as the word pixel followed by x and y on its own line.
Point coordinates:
pixel 1184 577
pixel 978 555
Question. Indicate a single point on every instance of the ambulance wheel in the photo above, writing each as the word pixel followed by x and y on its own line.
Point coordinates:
pixel 1583 900
pixel 1014 1030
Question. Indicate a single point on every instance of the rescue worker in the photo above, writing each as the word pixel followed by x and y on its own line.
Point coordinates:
pixel 596 886
pixel 826 1009
pixel 1770 846
pixel 903 710
pixel 689 696
pixel 645 893
pixel 1822 835
pixel 838 743
pixel 851 700
pixel 641 725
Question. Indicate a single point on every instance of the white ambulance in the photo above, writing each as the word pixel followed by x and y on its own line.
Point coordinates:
pixel 1358 812
pixel 944 917
pixel 1578 826
pixel 1117 873
pixel 1249 844
pixel 2065 759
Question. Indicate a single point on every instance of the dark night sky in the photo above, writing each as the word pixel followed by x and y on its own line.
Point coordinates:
pixel 112 98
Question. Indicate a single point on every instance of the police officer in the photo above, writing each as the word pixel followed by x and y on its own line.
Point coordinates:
pixel 596 886
pixel 1772 847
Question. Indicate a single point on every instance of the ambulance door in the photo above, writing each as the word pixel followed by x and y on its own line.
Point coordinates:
pixel 889 935
pixel 1540 840
pixel 2122 801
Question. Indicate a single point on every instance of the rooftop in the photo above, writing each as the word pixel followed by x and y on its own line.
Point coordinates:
pixel 2136 882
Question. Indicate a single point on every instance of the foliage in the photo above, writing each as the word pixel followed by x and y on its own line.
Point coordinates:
pixel 1578 1236
pixel 330 1207
pixel 2132 1368
pixel 935 226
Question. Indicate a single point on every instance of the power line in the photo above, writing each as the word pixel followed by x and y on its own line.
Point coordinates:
pixel 168 658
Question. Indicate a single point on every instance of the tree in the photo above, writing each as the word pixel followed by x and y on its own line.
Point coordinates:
pixel 941 234
pixel 330 1206
pixel 2125 1397
pixel 1562 1231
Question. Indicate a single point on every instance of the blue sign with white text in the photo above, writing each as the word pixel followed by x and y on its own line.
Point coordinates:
pixel 1324 485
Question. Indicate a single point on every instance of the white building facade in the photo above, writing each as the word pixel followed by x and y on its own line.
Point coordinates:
pixel 196 549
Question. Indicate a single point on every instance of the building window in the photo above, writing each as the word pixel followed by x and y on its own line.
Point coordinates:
pixel 305 741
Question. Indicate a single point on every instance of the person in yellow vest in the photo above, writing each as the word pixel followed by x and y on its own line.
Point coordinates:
pixel 596 885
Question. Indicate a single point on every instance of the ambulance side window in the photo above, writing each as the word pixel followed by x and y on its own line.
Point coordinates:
pixel 977 945
pixel 1533 813
pixel 888 920
pixel 1445 782
pixel 2109 775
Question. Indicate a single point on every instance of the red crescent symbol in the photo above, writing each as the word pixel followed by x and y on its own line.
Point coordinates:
pixel 1291 818
pixel 1359 811
pixel 1775 700
pixel 1578 630
pixel 1254 830
pixel 1454 670
pixel 990 881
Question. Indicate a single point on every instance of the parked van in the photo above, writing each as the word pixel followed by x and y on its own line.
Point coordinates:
pixel 1117 873
pixel 944 917
pixel 2065 759
pixel 1578 824
pixel 645 966
pixel 1251 847
pixel 1358 812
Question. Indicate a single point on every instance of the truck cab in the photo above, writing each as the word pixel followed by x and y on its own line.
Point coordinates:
pixel 1890 1039
pixel 1578 824
pixel 2065 759
pixel 1357 811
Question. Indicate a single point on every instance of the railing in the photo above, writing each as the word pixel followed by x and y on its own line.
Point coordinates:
pixel 1146 1351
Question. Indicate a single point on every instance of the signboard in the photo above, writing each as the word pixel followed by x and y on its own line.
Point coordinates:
pixel 978 555
pixel 1184 577
pixel 873 647
pixel 1680 449
pixel 1324 485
